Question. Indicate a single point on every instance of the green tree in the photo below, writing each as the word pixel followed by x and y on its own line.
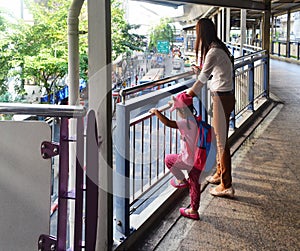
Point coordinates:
pixel 5 59
pixel 45 60
pixel 164 31
pixel 123 39
pixel 38 52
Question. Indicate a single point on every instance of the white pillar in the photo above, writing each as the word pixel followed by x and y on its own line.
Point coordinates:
pixel 288 33
pixel 219 28
pixel 100 100
pixel 228 25
pixel 223 24
pixel 243 29
pixel 73 76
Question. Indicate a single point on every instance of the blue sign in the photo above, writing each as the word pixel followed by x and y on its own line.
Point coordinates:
pixel 179 39
pixel 159 59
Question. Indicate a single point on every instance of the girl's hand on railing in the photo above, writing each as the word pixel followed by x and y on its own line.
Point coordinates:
pixel 153 110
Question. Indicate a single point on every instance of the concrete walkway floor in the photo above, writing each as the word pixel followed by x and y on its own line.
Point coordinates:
pixel 265 213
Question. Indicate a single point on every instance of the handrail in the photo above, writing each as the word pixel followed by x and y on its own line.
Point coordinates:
pixel 130 90
pixel 142 117
pixel 247 62
pixel 67 111
pixel 250 55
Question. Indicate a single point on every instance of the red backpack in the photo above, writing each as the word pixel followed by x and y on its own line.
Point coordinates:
pixel 205 146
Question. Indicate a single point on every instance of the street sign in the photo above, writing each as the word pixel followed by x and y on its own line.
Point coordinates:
pixel 179 39
pixel 159 60
pixel 163 47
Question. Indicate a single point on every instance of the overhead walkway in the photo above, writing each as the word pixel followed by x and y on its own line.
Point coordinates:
pixel 264 215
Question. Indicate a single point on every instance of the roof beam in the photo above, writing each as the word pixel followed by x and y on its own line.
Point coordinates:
pixel 244 4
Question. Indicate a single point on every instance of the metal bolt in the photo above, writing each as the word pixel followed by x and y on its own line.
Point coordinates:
pixel 44 155
pixel 52 247
pixel 55 150
pixel 119 223
pixel 41 241
pixel 43 146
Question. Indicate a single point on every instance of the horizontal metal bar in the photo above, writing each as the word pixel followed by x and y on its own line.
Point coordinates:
pixel 148 115
pixel 67 111
pixel 248 61
pixel 254 54
pixel 138 88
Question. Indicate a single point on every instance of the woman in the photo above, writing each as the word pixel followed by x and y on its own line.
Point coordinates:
pixel 216 66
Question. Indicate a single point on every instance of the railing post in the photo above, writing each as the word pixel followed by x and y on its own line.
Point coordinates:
pixel 204 102
pixel 232 122
pixel 63 186
pixel 288 49
pixel 79 185
pixel 298 50
pixel 266 77
pixel 251 87
pixel 92 182
pixel 122 193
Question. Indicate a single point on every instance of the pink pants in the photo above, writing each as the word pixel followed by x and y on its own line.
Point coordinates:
pixel 176 165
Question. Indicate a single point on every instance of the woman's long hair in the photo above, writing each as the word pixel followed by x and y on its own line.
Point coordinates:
pixel 206 34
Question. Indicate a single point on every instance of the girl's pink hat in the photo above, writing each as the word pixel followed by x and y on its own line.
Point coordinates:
pixel 181 100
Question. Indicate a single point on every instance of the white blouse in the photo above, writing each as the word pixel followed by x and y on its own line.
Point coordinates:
pixel 217 68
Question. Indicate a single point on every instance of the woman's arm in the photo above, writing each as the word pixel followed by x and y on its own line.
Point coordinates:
pixel 167 122
pixel 195 89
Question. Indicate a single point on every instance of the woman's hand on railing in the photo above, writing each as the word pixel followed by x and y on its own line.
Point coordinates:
pixel 196 69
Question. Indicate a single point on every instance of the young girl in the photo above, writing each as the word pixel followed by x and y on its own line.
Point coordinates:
pixel 183 103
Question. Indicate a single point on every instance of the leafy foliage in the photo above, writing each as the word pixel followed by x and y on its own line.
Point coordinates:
pixel 164 31
pixel 37 53
pixel 122 38
pixel 5 59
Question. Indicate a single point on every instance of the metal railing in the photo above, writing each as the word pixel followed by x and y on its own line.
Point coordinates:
pixel 250 74
pixel 85 192
pixel 289 49
pixel 141 141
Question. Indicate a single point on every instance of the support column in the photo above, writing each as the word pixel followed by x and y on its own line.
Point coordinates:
pixel 223 24
pixel 100 100
pixel 288 34
pixel 73 69
pixel 253 34
pixel 272 34
pixel 219 28
pixel 243 28
pixel 272 28
pixel 266 38
pixel 228 25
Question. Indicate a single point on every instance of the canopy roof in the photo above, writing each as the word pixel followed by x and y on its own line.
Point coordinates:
pixel 277 6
